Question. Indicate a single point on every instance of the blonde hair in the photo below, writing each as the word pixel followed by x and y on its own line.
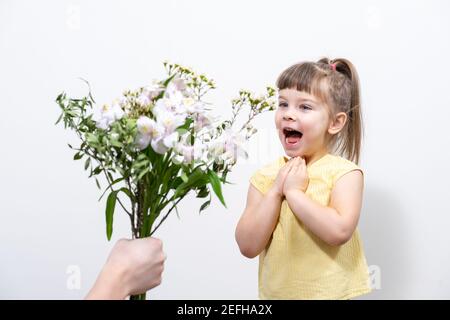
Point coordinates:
pixel 336 83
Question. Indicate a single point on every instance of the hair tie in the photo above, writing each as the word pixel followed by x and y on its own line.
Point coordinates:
pixel 333 66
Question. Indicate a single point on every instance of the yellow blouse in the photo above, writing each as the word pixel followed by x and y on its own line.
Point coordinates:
pixel 296 264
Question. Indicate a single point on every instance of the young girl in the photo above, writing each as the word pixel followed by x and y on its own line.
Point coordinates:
pixel 302 210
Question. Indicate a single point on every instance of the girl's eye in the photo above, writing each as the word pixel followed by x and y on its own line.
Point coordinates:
pixel 282 104
pixel 305 106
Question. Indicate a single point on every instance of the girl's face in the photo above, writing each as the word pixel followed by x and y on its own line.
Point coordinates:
pixel 302 122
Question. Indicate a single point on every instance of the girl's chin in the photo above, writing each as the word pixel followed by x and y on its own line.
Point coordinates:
pixel 292 153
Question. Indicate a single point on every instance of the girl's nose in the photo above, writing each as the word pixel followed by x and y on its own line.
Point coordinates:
pixel 288 115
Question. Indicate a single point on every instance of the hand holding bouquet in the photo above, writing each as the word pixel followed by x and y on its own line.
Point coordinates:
pixel 155 144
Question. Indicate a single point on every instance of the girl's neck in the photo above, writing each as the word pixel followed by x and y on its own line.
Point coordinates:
pixel 313 158
pixel 318 155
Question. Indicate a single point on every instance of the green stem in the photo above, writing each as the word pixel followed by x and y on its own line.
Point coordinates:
pixel 141 296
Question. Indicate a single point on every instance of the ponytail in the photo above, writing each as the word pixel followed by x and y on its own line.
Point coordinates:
pixel 348 143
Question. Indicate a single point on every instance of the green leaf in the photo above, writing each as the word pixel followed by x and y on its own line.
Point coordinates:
pixel 128 193
pixel 152 155
pixel 216 185
pixel 87 163
pixel 141 156
pixel 91 138
pixel 184 177
pixel 98 184
pixel 116 143
pixel 185 126
pixel 140 164
pixel 176 210
pixel 196 179
pixel 204 206
pixel 130 124
pixel 112 183
pixel 143 173
pixel 59 119
pixel 96 171
pixel 203 192
pixel 60 96
pixel 176 183
pixel 171 172
pixel 168 80
pixel 78 156
pixel 110 206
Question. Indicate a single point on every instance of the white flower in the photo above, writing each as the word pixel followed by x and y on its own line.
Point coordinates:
pixel 177 159
pixel 216 148
pixel 122 101
pixel 117 111
pixel 147 126
pixel 179 84
pixel 191 106
pixel 166 105
pixel 124 104
pixel 160 108
pixel 234 145
pixel 188 153
pixel 202 120
pixel 148 94
pixel 173 95
pixel 176 102
pixel 188 102
pixel 162 144
pixel 153 90
pixel 143 141
pixel 170 121
pixel 143 100
pixel 170 140
pixel 160 134
pixel 148 129
pixel 102 123
pixel 228 147
pixel 106 115
pixel 158 146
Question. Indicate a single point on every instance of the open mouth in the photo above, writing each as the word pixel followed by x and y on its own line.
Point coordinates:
pixel 292 137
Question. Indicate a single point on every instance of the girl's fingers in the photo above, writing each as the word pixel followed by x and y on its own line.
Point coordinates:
pixel 288 165
pixel 303 164
pixel 296 164
pixel 292 164
pixel 300 164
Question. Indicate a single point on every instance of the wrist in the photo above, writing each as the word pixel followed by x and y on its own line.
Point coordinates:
pixel 110 285
pixel 289 194
pixel 274 193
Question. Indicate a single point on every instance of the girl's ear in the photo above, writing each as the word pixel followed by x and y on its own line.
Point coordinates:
pixel 338 123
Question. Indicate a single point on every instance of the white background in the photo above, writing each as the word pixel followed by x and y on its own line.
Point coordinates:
pixel 50 217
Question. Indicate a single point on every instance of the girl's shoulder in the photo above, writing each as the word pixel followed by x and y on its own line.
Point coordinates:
pixel 263 177
pixel 336 166
pixel 271 169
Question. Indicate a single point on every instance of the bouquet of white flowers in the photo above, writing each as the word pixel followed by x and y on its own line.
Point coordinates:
pixel 157 143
